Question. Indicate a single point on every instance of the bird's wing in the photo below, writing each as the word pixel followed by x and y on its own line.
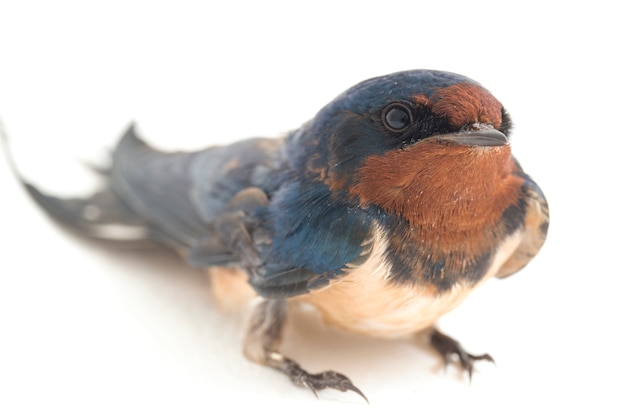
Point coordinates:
pixel 157 186
pixel 316 238
pixel 534 229
pixel 186 197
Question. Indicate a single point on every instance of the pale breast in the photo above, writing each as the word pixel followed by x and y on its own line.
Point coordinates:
pixel 366 302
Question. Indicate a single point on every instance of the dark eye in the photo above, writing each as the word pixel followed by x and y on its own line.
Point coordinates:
pixel 396 117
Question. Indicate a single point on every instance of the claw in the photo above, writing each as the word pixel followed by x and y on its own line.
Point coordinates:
pixel 317 382
pixel 448 347
pixel 340 382
pixel 308 384
pixel 350 386
pixel 467 362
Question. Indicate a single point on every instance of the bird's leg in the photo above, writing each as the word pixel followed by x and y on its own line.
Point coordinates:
pixel 262 344
pixel 448 347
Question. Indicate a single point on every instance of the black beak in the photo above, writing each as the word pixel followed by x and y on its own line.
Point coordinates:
pixel 484 135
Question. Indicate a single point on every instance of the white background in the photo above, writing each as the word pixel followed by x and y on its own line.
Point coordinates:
pixel 92 331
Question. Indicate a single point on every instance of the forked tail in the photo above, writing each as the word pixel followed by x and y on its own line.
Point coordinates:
pixel 101 216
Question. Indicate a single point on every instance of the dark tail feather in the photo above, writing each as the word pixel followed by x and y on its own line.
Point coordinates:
pixel 103 216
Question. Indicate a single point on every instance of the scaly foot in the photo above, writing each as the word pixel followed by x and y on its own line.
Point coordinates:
pixel 448 347
pixel 315 382
pixel 262 345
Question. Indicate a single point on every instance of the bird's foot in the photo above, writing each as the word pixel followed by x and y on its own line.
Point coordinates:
pixel 315 382
pixel 262 346
pixel 449 348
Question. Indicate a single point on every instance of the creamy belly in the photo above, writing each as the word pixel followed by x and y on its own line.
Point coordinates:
pixel 364 301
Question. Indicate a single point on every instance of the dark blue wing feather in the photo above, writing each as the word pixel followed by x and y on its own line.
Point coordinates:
pixel 181 194
pixel 316 235
pixel 316 229
pixel 157 187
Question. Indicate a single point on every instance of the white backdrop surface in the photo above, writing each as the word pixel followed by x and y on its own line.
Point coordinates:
pixel 92 331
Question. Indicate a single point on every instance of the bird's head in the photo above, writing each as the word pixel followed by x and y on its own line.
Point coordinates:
pixel 392 137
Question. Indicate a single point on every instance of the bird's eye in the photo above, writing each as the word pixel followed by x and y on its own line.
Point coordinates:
pixel 397 117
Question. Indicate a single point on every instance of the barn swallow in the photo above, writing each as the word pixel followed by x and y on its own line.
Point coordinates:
pixel 383 212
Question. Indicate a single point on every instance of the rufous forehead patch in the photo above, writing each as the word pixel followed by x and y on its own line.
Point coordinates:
pixel 421 100
pixel 465 103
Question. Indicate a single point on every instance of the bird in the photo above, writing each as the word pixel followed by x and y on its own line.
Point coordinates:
pixel 383 213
